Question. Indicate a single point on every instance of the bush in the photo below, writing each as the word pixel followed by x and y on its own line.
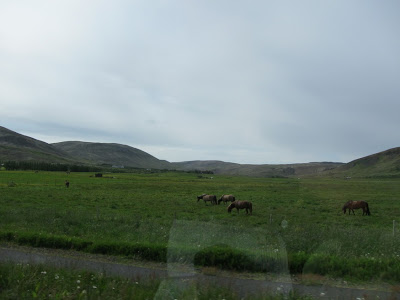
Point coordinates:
pixel 223 257
pixel 297 261
pixel 142 251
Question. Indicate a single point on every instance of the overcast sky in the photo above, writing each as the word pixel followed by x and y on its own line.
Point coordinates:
pixel 261 82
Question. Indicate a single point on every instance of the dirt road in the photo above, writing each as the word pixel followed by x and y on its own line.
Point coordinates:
pixel 243 286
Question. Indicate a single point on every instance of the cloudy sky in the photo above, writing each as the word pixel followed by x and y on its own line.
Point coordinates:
pixel 240 81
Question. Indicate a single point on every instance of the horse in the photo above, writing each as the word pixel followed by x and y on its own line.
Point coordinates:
pixel 67 183
pixel 241 205
pixel 351 205
pixel 226 198
pixel 205 197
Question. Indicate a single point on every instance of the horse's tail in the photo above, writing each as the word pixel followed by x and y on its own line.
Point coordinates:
pixel 368 212
pixel 251 208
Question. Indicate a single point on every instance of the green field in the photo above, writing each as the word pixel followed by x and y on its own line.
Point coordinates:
pixel 296 227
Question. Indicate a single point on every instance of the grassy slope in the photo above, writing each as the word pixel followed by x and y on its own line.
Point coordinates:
pixel 111 153
pixel 382 164
pixel 15 146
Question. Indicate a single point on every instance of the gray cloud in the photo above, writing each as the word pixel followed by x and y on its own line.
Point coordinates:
pixel 259 82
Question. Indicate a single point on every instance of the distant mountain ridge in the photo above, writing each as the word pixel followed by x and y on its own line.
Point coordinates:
pixel 18 147
pixel 264 170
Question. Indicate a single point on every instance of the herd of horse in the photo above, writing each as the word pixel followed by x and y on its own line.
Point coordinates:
pixel 248 206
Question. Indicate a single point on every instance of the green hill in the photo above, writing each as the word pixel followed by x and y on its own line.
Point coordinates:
pixel 111 154
pixel 279 170
pixel 382 164
pixel 18 147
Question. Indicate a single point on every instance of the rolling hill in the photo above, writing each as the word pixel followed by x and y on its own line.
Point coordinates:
pixel 382 164
pixel 111 154
pixel 18 147
pixel 265 170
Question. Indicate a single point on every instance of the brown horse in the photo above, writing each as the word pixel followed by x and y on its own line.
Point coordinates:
pixel 205 197
pixel 241 205
pixel 226 198
pixel 352 205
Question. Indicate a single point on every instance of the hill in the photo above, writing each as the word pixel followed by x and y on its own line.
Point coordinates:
pixel 18 147
pixel 111 154
pixel 264 170
pixel 382 164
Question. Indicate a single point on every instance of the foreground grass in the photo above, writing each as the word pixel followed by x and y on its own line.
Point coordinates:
pixel 296 226
pixel 43 282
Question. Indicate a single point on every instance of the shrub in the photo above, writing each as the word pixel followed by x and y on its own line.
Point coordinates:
pixel 142 251
pixel 224 257
pixel 297 261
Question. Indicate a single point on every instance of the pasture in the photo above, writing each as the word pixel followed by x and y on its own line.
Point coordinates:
pixel 297 225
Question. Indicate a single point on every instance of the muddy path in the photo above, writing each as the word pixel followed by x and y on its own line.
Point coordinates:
pixel 110 266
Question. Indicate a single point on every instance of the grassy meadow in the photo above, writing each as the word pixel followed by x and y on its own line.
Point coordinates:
pixel 297 225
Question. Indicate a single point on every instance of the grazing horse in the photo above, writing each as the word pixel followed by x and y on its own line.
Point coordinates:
pixel 205 197
pixel 351 205
pixel 226 198
pixel 241 205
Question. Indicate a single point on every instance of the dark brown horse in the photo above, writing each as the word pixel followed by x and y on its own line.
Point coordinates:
pixel 226 198
pixel 352 205
pixel 241 205
pixel 205 197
